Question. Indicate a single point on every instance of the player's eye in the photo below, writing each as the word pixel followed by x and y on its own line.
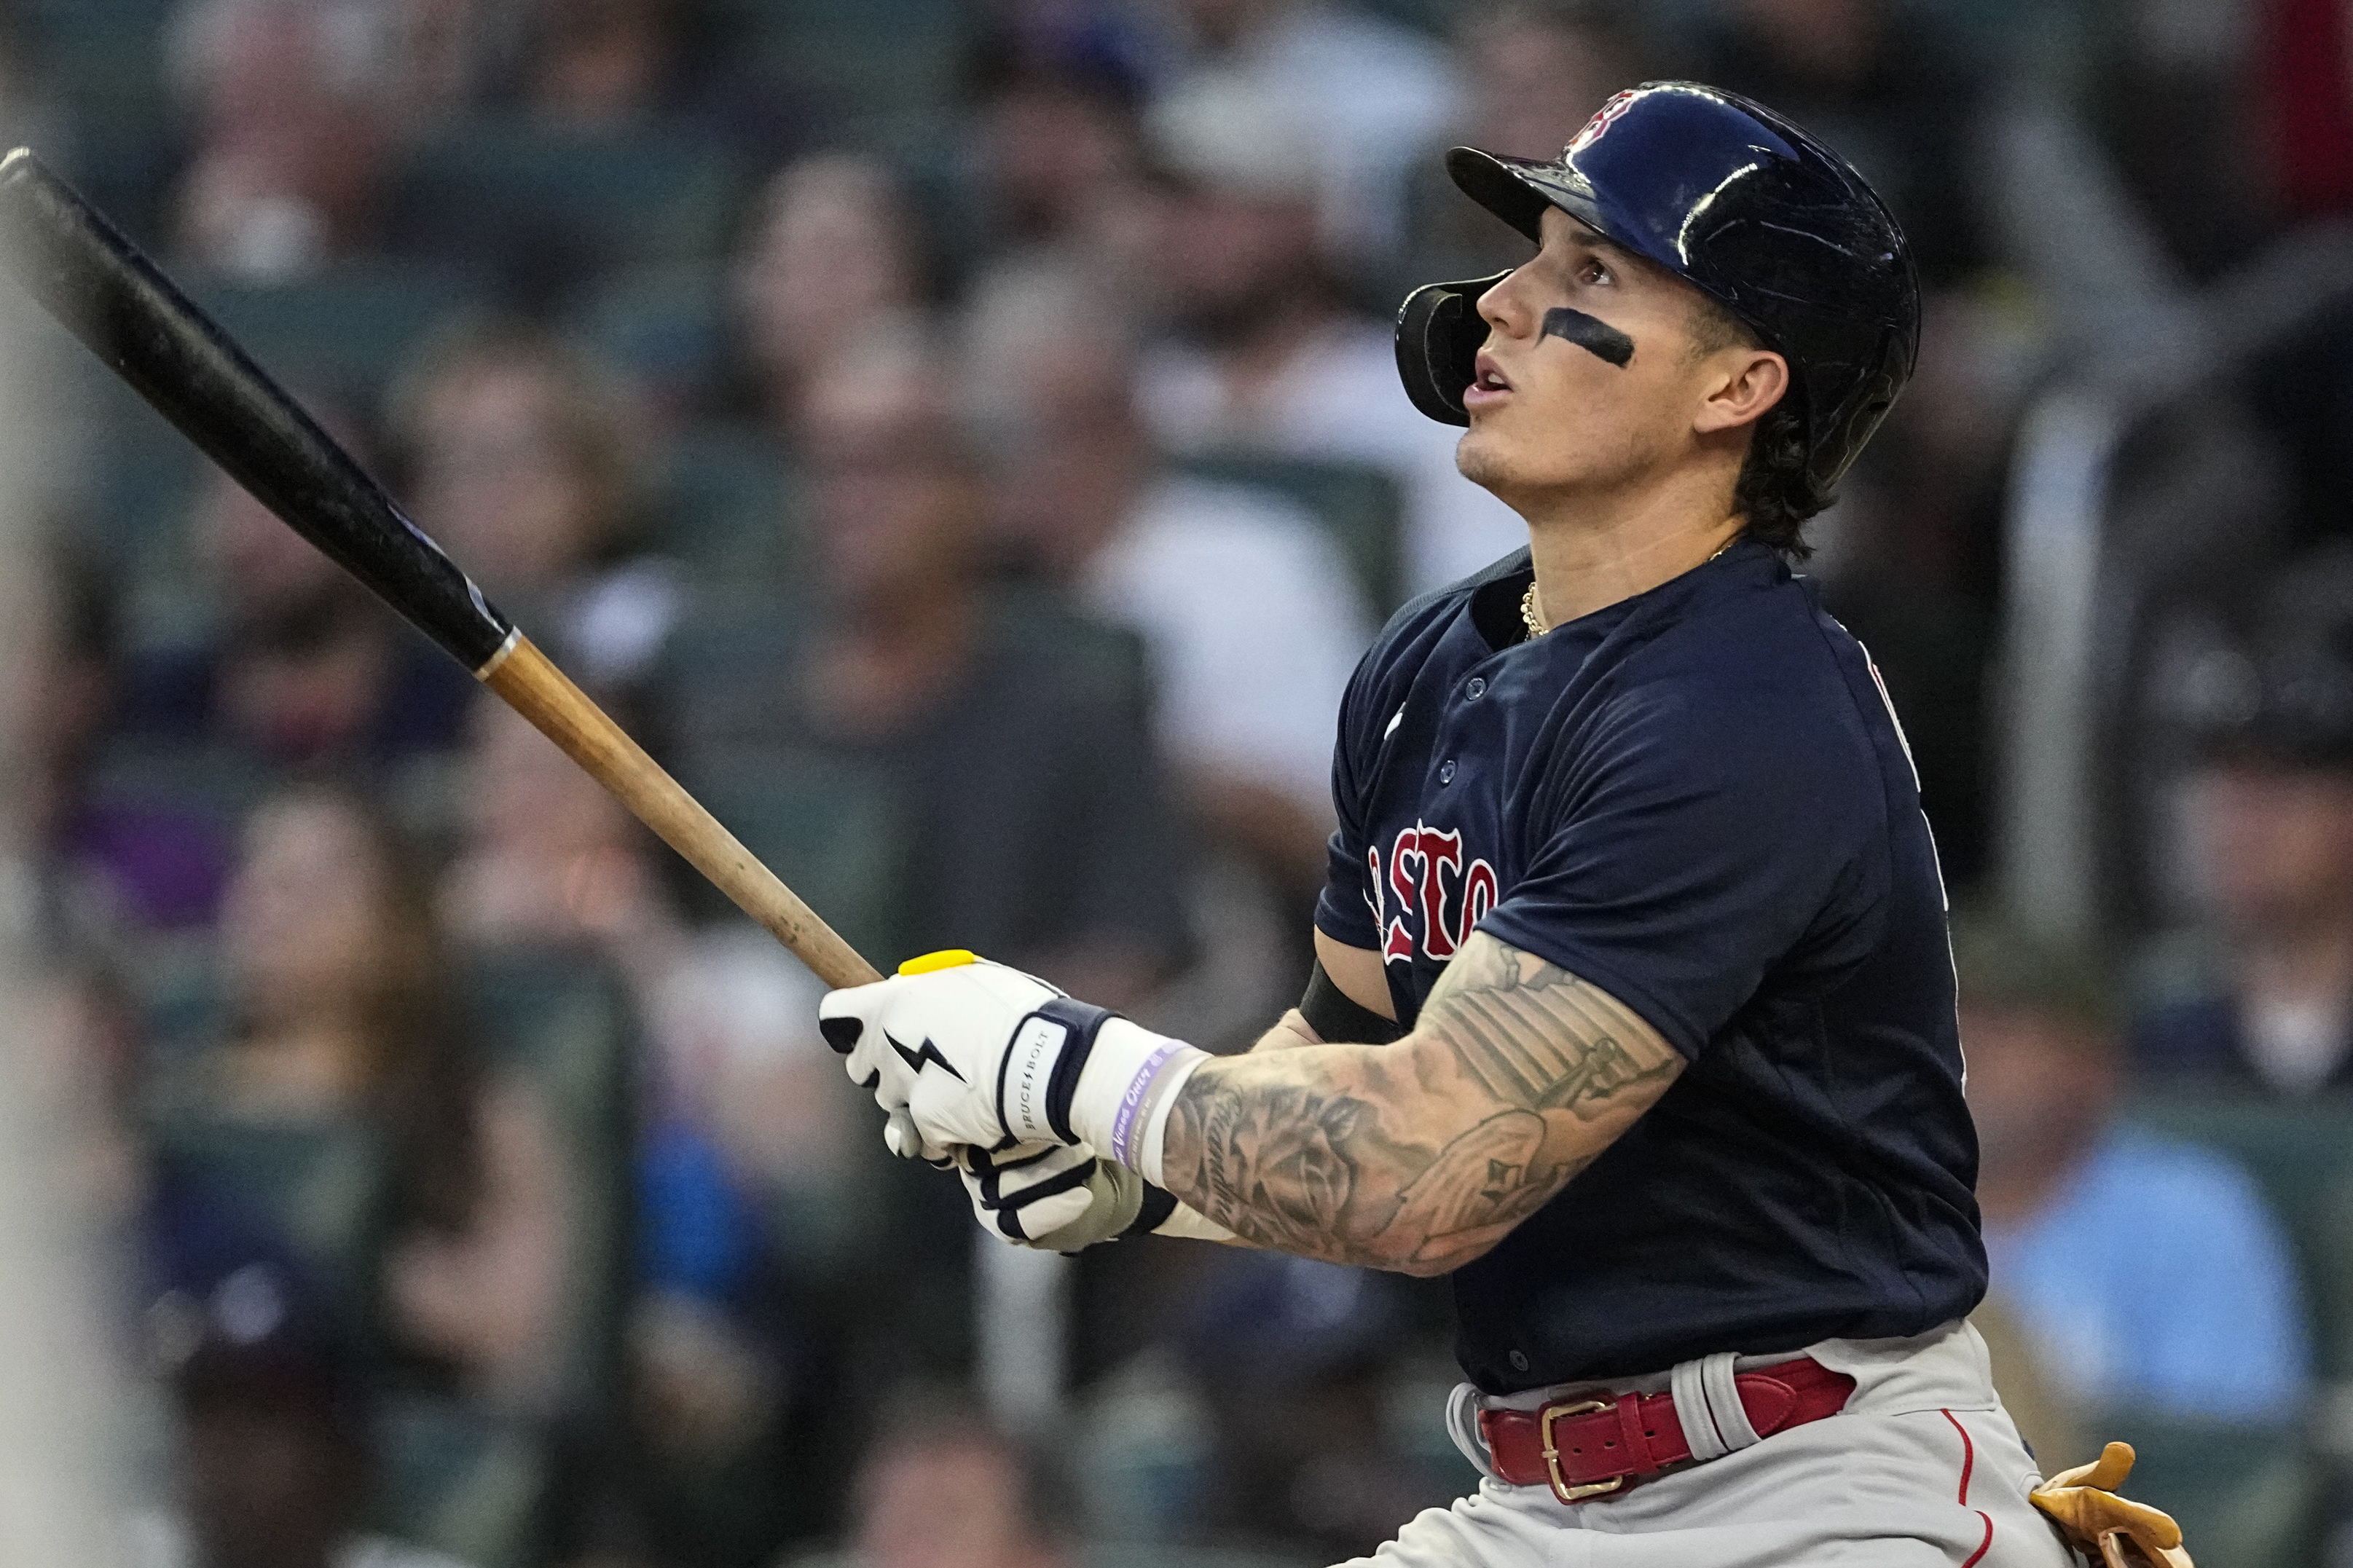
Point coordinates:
pixel 1593 272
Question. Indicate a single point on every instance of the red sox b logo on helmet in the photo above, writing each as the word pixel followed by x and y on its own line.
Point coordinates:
pixel 1599 123
pixel 1439 898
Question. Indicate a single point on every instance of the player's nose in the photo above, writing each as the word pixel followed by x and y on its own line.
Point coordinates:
pixel 1506 307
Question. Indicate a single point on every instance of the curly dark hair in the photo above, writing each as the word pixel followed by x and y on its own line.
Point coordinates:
pixel 1774 491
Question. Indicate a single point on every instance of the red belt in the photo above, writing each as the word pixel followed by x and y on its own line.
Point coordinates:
pixel 1585 1448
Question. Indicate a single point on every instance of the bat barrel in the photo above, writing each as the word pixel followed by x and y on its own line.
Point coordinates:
pixel 82 270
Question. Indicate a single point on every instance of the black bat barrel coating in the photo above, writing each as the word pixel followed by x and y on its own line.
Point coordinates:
pixel 83 271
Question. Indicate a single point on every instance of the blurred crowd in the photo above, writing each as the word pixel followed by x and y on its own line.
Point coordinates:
pixel 961 439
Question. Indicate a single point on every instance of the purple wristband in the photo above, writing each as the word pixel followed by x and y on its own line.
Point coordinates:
pixel 1138 1089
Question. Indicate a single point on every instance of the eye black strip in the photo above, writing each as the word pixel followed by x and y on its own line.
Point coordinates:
pixel 1597 337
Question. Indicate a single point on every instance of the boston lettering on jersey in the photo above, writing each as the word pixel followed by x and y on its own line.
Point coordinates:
pixel 1698 800
pixel 1439 898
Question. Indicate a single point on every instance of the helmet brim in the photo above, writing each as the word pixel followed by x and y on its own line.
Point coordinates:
pixel 1518 190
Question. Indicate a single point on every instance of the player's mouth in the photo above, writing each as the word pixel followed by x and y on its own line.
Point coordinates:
pixel 1488 388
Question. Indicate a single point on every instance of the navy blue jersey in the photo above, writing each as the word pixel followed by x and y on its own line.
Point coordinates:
pixel 1698 800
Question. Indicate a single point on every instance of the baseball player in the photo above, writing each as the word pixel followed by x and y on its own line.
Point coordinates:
pixel 1633 1010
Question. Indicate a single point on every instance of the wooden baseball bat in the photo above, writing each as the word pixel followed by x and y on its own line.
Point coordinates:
pixel 98 286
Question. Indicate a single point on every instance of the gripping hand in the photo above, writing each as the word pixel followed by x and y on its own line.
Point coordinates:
pixel 1058 1197
pixel 964 1053
pixel 2095 1521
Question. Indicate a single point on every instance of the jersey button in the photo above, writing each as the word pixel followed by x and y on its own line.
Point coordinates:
pixel 1519 1361
pixel 1446 772
pixel 1477 689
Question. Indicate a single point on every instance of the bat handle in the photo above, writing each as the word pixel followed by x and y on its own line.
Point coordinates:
pixel 532 685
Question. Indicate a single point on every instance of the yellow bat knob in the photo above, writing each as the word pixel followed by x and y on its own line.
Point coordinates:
pixel 946 958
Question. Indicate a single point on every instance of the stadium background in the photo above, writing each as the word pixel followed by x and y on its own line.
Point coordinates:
pixel 958 437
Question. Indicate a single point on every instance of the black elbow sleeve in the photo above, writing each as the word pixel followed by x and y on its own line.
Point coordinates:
pixel 1337 1017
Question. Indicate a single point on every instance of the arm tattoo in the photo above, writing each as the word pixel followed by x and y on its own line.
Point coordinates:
pixel 1423 1154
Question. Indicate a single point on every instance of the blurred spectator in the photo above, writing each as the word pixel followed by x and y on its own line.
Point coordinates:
pixel 1250 613
pixel 2268 811
pixel 1041 832
pixel 1264 352
pixel 307 669
pixel 276 1458
pixel 745 1153
pixel 288 107
pixel 101 868
pixel 1536 71
pixel 448 52
pixel 342 1018
pixel 1010 738
pixel 551 860
pixel 1294 1359
pixel 2145 1273
pixel 521 463
pixel 1540 68
pixel 833 248
pixel 601 62
pixel 1868 78
pixel 944 1489
pixel 634 66
pixel 1364 97
pixel 1909 558
pixel 1058 142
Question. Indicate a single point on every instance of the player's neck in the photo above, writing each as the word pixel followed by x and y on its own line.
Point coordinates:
pixel 1590 553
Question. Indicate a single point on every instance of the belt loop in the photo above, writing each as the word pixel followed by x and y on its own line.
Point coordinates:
pixel 1723 1402
pixel 1691 1409
pixel 1462 1426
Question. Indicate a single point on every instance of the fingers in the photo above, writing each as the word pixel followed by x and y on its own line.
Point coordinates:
pixel 842 1015
pixel 2151 1529
pixel 903 1138
pixel 2114 1464
pixel 928 1043
pixel 1034 1221
pixel 851 1022
pixel 1025 1192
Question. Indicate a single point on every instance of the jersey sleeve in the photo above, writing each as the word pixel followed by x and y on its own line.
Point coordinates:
pixel 1697 840
pixel 1343 911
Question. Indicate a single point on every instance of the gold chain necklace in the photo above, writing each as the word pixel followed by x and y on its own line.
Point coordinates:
pixel 1528 613
pixel 1537 627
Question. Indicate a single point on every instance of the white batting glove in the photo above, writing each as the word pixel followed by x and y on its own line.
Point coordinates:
pixel 1019 1192
pixel 1057 1197
pixel 983 1057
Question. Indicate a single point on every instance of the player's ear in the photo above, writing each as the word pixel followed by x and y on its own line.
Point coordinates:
pixel 1740 386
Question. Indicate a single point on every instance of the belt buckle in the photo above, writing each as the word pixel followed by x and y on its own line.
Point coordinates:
pixel 1560 1487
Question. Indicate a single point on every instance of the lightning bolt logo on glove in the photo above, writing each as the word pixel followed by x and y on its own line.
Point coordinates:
pixel 1020 1062
pixel 917 1060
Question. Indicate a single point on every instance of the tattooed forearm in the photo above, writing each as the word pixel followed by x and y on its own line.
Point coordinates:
pixel 1422 1155
pixel 1536 1035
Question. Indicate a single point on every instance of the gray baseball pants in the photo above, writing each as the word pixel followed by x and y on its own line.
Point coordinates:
pixel 1922 1470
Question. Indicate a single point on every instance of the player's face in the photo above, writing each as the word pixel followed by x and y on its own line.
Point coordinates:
pixel 1593 379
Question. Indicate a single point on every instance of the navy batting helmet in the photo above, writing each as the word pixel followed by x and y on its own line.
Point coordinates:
pixel 1745 207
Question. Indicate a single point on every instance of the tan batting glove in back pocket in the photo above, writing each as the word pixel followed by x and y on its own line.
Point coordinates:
pixel 2122 1533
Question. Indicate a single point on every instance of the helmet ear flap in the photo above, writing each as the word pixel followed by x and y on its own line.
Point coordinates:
pixel 1438 334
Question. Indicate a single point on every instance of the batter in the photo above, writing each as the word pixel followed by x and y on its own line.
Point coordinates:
pixel 1633 1012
